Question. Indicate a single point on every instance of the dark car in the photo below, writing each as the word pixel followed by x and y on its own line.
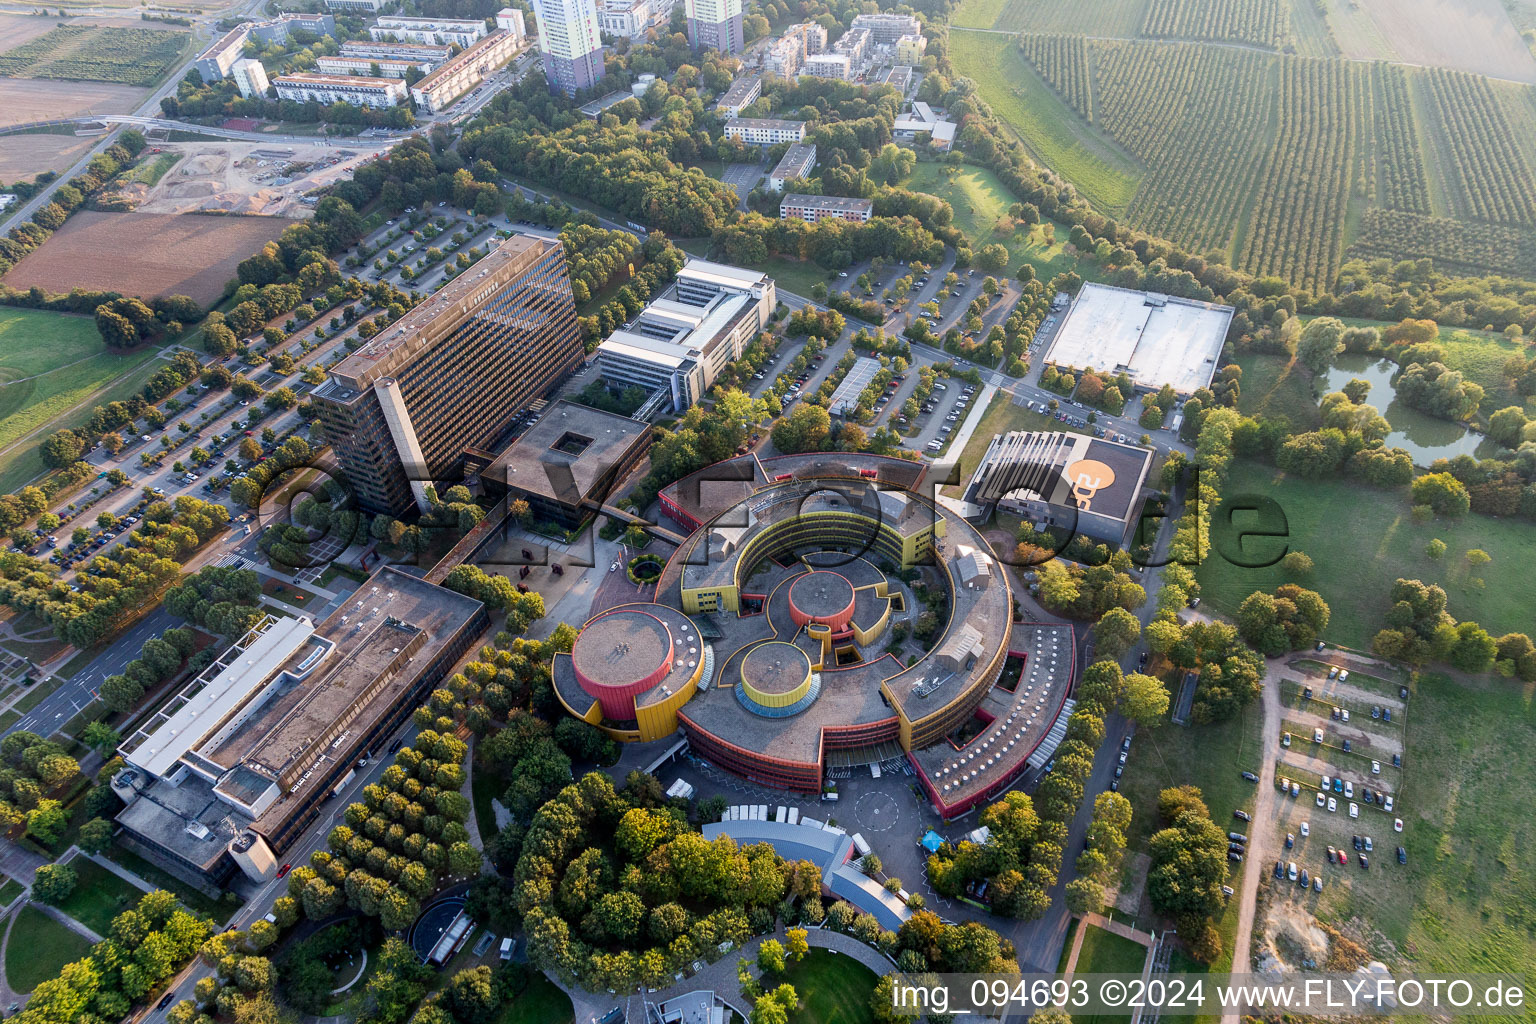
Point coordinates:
pixel 166 1000
pixel 1397 760
pixel 1250 776
pixel 1402 855
pixel 1242 815
pixel 1365 862
pixel 1307 693
pixel 1279 870
pixel 1236 857
pixel 1357 842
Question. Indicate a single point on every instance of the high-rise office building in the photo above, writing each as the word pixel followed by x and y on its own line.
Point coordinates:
pixel 571 42
pixel 715 25
pixel 453 373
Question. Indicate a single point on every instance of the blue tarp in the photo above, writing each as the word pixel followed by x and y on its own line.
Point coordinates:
pixel 932 841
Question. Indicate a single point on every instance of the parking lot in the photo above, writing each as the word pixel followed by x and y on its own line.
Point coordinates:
pixel 1340 770
pixel 742 177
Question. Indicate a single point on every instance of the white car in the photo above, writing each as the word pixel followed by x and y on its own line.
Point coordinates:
pixel 1321 799
pixel 1344 714
pixel 1388 804
pixel 614 566
pixel 1354 809
pixel 1327 783
pixel 1306 828
pixel 1333 805
pixel 1291 871
pixel 1397 824
pixel 1349 790
pixel 1375 767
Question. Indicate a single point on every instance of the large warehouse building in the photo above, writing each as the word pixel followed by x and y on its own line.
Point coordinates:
pixel 235 767
pixel 451 374
pixel 1155 339
pixel 769 642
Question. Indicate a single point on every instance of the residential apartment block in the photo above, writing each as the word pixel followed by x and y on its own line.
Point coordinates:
pixel 306 87
pixel 741 95
pixel 454 372
pixel 885 29
pixel 715 25
pixel 815 208
pixel 250 77
pixel 571 41
pixel 798 161
pixel 462 73
pixel 426 54
pixel 388 67
pixel 764 131
pixel 428 30
pixel 631 19
pixel 828 65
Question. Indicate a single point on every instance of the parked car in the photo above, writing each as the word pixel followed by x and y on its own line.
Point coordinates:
pixel 1291 872
pixel 1402 855
pixel 1242 815
pixel 1250 776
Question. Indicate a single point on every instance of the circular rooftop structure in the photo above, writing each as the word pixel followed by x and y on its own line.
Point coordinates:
pixel 776 680
pixel 619 656
pixel 822 597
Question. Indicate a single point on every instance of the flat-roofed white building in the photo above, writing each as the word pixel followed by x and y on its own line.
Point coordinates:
pixel 250 77
pixel 462 73
pixel 827 65
pixel 814 208
pixel 305 87
pixel 510 19
pixel 389 67
pixel 366 6
pixel 216 61
pixel 910 49
pixel 742 94
pixel 798 161
pixel 1154 339
pixel 680 343
pixel 428 30
pixel 428 54
pixel 628 18
pixel 885 29
pixel 764 131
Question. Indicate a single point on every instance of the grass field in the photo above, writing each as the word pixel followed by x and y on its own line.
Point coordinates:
pixel 1463 900
pixel 1275 386
pixel 1361 539
pixel 39 948
pixel 9 891
pixel 980 201
pixel 99 896
pixel 130 56
pixel 50 365
pixel 190 898
pixel 541 1002
pixel 1045 124
pixel 834 989
pixel 1110 17
pixel 1104 952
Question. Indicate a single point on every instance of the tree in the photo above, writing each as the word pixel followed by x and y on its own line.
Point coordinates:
pixel 1296 563
pixel 1145 700
pixel 1177 800
pixel 47 821
pixel 1443 493
pixel 101 737
pixel 1117 632
pixel 1321 340
pixel 1435 548
pixel 471 995
pixel 62 448
pixel 770 956
pixel 1188 869
pixel 54 883
pixel 799 944
pixel 95 836
pixel 1085 895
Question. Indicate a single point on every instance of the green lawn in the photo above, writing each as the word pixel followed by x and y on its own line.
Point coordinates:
pixel 1275 386
pixel 1361 539
pixel 541 1002
pixel 99 896
pixel 833 989
pixel 191 898
pixel 977 13
pixel 980 201
pixel 1463 901
pixel 1052 130
pixel 1104 952
pixel 9 891
pixel 53 369
pixel 484 787
pixel 39 948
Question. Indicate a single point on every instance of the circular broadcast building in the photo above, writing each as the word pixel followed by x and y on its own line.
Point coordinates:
pixel 770 645
pixel 822 597
pixel 638 661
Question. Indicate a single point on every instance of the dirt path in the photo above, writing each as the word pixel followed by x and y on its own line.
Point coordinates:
pixel 1261 836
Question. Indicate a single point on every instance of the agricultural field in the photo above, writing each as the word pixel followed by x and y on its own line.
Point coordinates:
pixel 1297 224
pixel 145 254
pixel 1476 36
pixel 1362 539
pixel 25 99
pixel 25 156
pixel 1044 123
pixel 1110 17
pixel 129 56
pixel 1260 22
pixel 1278 163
